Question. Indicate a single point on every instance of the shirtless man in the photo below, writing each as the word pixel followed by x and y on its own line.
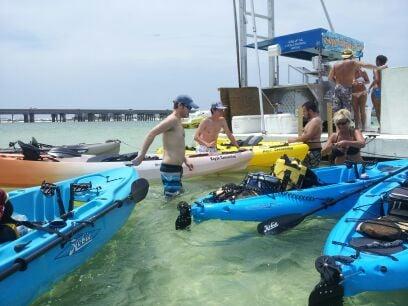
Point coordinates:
pixel 343 74
pixel 311 134
pixel 171 168
pixel 208 130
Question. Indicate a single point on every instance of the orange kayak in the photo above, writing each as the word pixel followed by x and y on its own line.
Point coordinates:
pixel 17 172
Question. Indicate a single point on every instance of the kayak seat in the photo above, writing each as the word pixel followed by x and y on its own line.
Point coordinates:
pixel 387 168
pixel 244 142
pixel 254 141
pixel 385 228
pixel 63 152
pixel 398 202
pixel 29 151
pixel 113 157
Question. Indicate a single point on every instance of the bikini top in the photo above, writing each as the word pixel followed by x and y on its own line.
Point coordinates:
pixel 350 151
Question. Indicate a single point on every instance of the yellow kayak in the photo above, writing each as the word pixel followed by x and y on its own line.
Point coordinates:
pixel 265 152
pixel 193 121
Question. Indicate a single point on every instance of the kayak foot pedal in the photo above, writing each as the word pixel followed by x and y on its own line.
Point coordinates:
pixel 184 218
pixel 328 291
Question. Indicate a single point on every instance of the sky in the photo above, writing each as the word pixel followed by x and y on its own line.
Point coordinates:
pixel 141 54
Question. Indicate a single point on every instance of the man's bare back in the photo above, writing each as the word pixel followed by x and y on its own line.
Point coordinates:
pixel 343 72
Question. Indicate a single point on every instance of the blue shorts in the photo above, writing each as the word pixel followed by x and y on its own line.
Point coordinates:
pixel 377 93
pixel 171 178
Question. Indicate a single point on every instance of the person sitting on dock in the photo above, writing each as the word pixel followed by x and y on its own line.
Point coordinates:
pixel 343 74
pixel 346 143
pixel 171 169
pixel 311 134
pixel 376 85
pixel 207 132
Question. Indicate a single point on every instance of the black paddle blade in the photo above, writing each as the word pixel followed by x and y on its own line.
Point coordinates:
pixel 277 225
pixel 139 190
pixel 184 218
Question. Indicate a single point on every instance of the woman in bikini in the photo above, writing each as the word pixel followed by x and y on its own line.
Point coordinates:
pixel 376 86
pixel 359 97
pixel 346 143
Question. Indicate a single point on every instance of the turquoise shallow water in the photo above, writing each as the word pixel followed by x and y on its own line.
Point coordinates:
pixel 215 263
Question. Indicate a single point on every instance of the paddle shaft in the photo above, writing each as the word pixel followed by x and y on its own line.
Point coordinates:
pixel 345 196
pixel 279 224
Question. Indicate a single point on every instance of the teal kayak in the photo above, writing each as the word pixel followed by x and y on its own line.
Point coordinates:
pixel 60 226
pixel 367 248
pixel 332 183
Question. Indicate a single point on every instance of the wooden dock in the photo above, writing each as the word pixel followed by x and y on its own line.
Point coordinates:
pixel 80 115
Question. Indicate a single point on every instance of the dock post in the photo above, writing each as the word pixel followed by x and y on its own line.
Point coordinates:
pixel 329 119
pixel 300 120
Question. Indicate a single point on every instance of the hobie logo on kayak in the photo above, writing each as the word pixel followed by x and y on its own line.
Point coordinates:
pixel 271 226
pixel 77 243
pixel 218 157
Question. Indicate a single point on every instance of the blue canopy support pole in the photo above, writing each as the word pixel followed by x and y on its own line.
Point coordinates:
pixel 327 16
pixel 243 43
pixel 271 34
pixel 259 68
pixel 237 42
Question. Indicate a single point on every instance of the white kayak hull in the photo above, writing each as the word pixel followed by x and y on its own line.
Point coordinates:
pixel 17 172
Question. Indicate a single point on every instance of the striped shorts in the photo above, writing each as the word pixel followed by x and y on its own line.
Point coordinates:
pixel 171 178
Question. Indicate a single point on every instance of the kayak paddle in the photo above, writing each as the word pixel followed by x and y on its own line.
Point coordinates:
pixel 277 225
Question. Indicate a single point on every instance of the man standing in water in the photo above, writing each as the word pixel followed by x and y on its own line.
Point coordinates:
pixel 343 74
pixel 208 130
pixel 171 168
pixel 311 134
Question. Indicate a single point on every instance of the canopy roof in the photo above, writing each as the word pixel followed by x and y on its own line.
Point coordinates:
pixel 305 45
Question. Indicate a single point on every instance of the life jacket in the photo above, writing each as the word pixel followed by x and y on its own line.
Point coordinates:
pixel 291 172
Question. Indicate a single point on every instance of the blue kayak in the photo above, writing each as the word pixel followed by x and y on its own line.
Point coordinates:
pixel 333 182
pixel 367 248
pixel 67 223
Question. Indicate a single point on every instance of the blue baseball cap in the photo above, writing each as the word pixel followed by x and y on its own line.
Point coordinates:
pixel 218 105
pixel 186 101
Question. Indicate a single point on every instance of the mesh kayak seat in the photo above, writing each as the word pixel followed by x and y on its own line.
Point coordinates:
pixel 254 141
pixel 398 200
pixel 113 157
pixel 29 151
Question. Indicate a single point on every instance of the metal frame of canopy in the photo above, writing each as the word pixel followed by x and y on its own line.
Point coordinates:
pixel 316 42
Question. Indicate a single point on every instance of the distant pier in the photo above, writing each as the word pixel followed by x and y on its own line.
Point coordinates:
pixel 90 115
